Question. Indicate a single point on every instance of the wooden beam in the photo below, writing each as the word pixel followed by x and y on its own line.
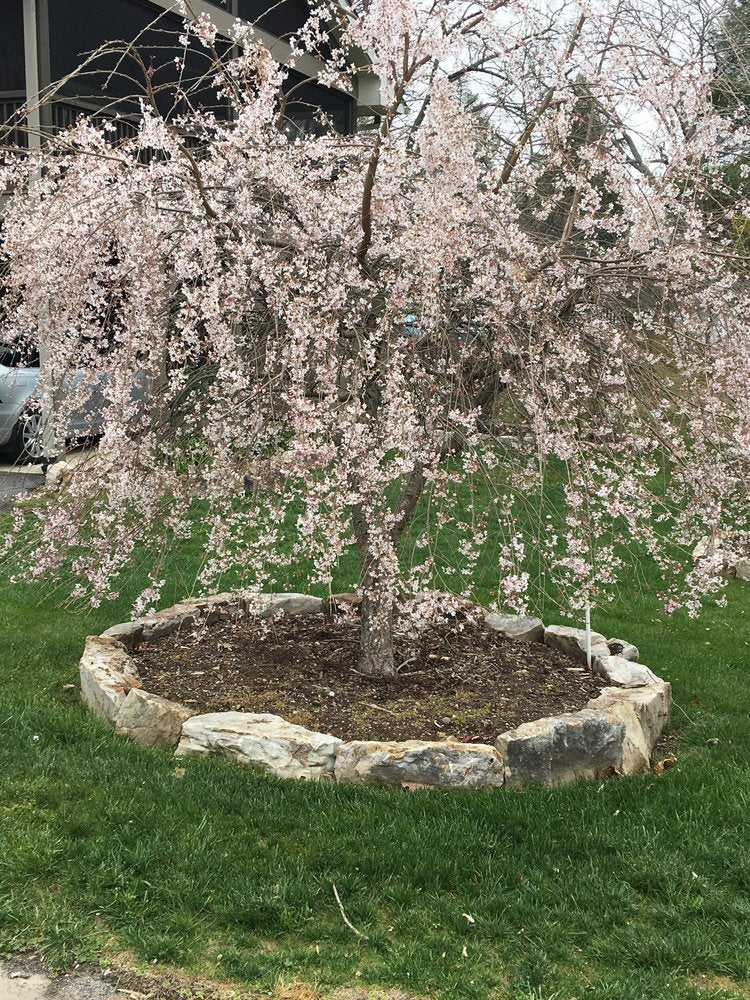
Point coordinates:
pixel 31 66
pixel 36 65
pixel 309 66
pixel 279 49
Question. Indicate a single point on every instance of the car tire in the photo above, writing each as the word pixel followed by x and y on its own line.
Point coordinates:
pixel 26 444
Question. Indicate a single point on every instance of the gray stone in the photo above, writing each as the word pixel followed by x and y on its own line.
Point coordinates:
pixel 58 475
pixel 624 673
pixel 705 546
pixel 260 606
pixel 346 600
pixel 212 607
pixel 107 674
pixel 562 748
pixel 213 600
pixel 652 702
pixel 516 627
pixel 150 720
pixel 128 633
pixel 415 763
pixel 169 620
pixel 267 741
pixel 623 648
pixel 644 711
pixel 573 642
pixel 288 604
pixel 725 546
pixel 718 544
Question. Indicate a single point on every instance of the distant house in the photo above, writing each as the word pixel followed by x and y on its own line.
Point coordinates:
pixel 43 41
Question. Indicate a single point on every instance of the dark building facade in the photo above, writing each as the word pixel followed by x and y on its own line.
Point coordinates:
pixel 44 41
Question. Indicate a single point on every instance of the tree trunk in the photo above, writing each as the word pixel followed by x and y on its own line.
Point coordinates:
pixel 376 634
pixel 376 648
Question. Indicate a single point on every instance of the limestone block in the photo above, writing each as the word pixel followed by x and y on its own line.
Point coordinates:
pixel 268 741
pixel 213 600
pixel 448 764
pixel 107 674
pixel 59 474
pixel 644 712
pixel 705 546
pixel 516 627
pixel 623 648
pixel 211 607
pixel 288 604
pixel 128 633
pixel 169 620
pixel 562 748
pixel 653 701
pixel 260 606
pixel 346 600
pixel 573 642
pixel 620 672
pixel 150 720
pixel 720 545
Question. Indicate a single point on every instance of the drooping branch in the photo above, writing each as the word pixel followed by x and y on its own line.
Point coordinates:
pixel 513 156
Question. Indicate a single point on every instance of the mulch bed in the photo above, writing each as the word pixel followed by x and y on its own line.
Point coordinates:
pixel 469 684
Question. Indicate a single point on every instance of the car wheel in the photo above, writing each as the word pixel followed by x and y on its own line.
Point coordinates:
pixel 27 443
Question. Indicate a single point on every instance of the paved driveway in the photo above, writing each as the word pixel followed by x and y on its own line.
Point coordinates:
pixel 27 979
pixel 14 482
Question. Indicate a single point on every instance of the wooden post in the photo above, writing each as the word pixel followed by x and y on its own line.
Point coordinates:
pixel 37 68
pixel 31 65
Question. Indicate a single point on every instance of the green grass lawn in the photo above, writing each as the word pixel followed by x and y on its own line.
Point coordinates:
pixel 632 888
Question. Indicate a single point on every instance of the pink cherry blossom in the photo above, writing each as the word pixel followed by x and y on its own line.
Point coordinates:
pixel 503 332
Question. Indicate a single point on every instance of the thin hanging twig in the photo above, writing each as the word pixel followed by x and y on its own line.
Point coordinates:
pixel 344 917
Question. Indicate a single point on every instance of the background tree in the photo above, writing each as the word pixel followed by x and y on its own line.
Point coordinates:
pixel 731 45
pixel 263 284
pixel 730 94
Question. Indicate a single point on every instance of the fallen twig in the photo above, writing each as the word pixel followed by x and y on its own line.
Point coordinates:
pixel 681 709
pixel 344 917
pixel 371 704
pixel 410 660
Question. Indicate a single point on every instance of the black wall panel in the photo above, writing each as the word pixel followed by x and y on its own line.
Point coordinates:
pixel 12 73
pixel 77 29
pixel 75 33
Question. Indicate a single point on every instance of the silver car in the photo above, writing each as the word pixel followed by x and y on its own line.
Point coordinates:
pixel 20 413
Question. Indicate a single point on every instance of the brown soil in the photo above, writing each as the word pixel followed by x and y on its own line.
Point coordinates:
pixel 469 684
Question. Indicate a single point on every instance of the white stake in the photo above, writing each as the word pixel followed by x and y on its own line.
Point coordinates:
pixel 588 635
